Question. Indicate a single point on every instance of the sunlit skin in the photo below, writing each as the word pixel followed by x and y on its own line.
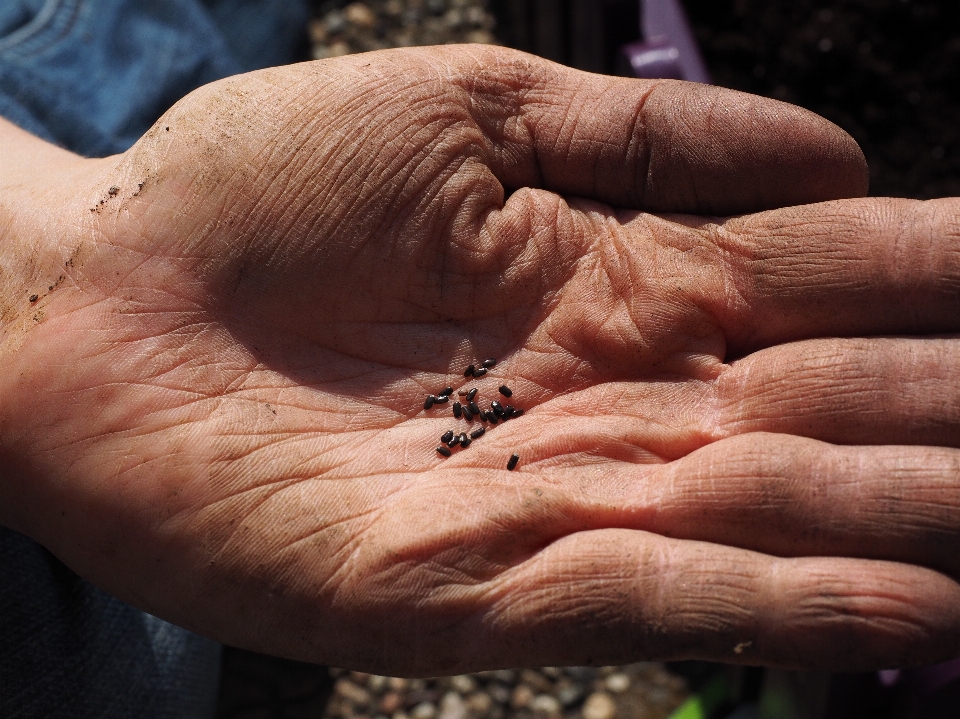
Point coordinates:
pixel 740 439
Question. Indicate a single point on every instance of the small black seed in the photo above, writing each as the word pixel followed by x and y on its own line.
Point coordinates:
pixel 447 436
pixel 465 441
pixel 457 410
pixel 477 433
pixel 490 363
pixel 429 403
pixel 511 465
pixel 455 441
pixel 474 408
pixel 471 394
pixel 509 411
pixel 497 408
pixel 467 414
pixel 478 373
pixel 469 370
pixel 506 391
pixel 442 399
pixel 444 451
pixel 492 417
pixel 518 413
pixel 448 391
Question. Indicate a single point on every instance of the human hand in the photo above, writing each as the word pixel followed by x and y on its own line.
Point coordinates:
pixel 217 412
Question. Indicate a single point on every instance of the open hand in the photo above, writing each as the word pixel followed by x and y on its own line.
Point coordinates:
pixel 213 398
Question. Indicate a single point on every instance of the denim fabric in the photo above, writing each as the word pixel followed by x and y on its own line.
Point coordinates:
pixel 92 76
pixel 68 649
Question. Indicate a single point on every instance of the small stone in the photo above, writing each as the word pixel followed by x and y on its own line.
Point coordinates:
pixel 499 693
pixel 507 676
pixel 113 191
pixel 480 37
pixel 523 696
pixel 335 22
pixel 599 705
pixel 581 674
pixel 413 17
pixel 391 702
pixel 545 704
pixel 351 692
pixel 377 684
pixel 463 684
pixel 398 684
pixel 317 31
pixel 618 683
pixel 658 696
pixel 479 704
pixel 454 18
pixel 427 710
pixel 338 49
pixel 570 695
pixel 452 706
pixel 537 680
pixel 476 16
pixel 360 15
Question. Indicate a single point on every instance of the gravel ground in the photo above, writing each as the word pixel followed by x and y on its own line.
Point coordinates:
pixel 340 28
pixel 637 691
pixel 259 687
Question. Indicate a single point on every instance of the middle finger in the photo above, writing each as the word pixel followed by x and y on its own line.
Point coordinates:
pixel 845 391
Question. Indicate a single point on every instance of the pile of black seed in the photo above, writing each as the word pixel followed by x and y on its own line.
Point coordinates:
pixel 467 408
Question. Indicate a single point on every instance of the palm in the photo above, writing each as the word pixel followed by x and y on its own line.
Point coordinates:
pixel 281 289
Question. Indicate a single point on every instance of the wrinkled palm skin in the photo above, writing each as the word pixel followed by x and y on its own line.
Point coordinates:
pixel 214 406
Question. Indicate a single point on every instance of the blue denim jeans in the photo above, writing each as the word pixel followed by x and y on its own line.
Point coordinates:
pixel 92 76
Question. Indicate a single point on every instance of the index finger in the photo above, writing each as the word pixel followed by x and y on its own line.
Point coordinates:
pixel 662 146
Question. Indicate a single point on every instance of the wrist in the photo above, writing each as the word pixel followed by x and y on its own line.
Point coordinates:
pixel 42 190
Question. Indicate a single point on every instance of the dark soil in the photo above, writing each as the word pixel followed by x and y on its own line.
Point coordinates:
pixel 887 71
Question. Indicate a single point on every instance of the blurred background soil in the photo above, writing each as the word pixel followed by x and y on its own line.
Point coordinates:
pixel 887 71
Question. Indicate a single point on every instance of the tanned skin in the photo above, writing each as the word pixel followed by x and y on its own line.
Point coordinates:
pixel 742 422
